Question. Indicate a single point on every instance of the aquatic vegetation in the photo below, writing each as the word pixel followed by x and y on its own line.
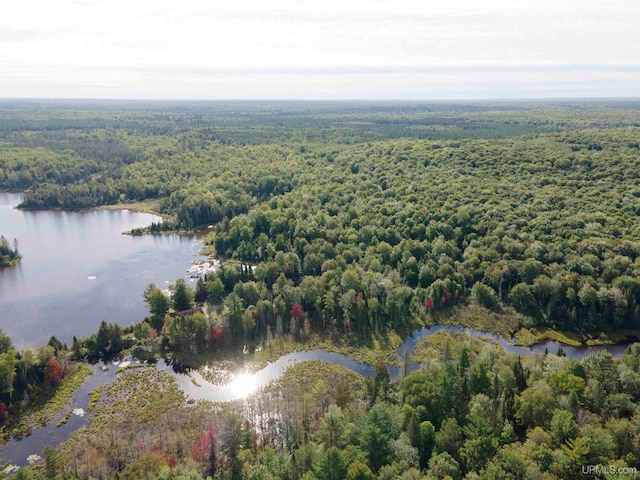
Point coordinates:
pixel 42 413
pixel 95 396
pixel 64 419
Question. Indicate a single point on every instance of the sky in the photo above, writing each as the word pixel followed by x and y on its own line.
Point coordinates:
pixel 320 49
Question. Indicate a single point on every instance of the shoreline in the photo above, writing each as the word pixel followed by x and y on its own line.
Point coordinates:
pixel 13 262
pixel 197 384
pixel 139 207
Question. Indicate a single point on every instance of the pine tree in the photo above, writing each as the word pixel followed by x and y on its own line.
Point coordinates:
pixel 201 291
pixel 181 296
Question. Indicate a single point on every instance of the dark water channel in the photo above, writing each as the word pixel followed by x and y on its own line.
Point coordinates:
pixel 78 269
pixel 244 384
pixel 18 451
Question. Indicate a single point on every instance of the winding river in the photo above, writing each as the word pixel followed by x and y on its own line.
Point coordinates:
pixel 245 384
pixel 78 269
pixel 17 452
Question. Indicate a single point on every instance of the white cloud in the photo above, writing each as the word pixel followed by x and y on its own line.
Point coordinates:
pixel 114 47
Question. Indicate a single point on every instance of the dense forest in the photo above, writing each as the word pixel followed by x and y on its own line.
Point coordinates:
pixel 470 412
pixel 408 208
pixel 357 221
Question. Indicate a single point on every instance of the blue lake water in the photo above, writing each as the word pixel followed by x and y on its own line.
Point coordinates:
pixel 78 269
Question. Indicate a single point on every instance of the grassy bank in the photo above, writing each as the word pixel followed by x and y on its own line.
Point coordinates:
pixel 505 323
pixel 444 346
pixel 41 412
pixel 312 376
pixel 368 349
pixel 510 324
pixel 364 349
pixel 151 206
pixel 527 337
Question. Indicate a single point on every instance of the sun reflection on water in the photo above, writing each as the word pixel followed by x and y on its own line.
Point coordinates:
pixel 243 385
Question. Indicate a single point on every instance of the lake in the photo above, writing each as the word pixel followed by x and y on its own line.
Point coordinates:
pixel 77 269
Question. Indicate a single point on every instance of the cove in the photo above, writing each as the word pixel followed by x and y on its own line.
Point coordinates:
pixel 17 451
pixel 78 269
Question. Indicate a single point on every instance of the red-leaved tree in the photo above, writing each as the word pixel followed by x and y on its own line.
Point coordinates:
pixel 216 333
pixel 297 317
pixel 429 304
pixel 203 450
pixel 297 311
pixel 53 372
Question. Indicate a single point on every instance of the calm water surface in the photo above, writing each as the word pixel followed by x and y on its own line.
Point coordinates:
pixel 53 292
pixel 78 269
pixel 17 451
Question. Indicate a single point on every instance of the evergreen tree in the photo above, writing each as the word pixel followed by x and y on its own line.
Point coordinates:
pixel 201 293
pixel 103 338
pixel 181 296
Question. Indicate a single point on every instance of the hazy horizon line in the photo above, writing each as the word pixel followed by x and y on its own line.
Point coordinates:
pixel 323 99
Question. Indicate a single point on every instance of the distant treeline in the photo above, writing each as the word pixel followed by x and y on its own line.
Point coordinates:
pixel 351 220
pixel 357 225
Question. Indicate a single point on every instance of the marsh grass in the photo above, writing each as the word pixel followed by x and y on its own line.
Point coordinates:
pixel 138 394
pixel 44 409
pixel 95 396
pixel 130 367
pixel 527 337
pixel 443 344
pixel 149 206
pixel 64 419
pixel 304 376
pixel 504 323
pixel 364 349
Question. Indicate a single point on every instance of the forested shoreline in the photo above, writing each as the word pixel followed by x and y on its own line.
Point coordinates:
pixel 8 255
pixel 352 222
pixel 547 221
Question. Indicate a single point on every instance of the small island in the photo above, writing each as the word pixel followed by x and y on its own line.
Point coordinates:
pixel 378 268
pixel 8 256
